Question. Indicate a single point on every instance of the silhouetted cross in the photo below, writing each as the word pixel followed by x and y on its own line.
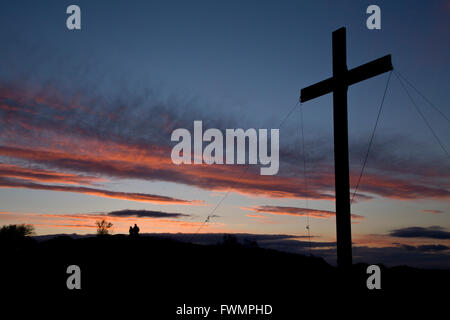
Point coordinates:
pixel 338 84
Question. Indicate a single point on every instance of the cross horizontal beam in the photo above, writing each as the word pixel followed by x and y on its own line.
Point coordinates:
pixel 363 72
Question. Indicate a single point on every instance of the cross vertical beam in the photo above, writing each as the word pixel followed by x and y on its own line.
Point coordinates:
pixel 338 84
pixel 341 166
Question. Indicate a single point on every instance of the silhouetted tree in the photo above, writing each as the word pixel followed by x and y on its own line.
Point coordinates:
pixel 16 231
pixel 103 227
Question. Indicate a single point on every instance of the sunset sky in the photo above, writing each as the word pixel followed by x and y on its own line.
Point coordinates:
pixel 87 115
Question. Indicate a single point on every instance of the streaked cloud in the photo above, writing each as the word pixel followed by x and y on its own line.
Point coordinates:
pixel 131 196
pixel 426 247
pixel 432 211
pixel 39 175
pixel 433 232
pixel 146 213
pixel 296 211
pixel 84 138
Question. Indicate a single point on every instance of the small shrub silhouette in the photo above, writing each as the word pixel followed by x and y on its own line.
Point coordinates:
pixel 103 227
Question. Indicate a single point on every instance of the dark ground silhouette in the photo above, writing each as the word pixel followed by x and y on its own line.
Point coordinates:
pixel 167 273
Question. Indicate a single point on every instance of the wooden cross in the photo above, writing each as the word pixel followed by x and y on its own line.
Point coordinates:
pixel 338 84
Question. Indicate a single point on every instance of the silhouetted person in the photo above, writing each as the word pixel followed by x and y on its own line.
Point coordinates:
pixel 136 230
pixel 131 231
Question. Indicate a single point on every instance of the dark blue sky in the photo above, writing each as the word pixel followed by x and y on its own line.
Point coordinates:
pixel 246 56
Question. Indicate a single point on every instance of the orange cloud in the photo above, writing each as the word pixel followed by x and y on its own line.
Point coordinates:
pixel 295 211
pixel 94 150
pixel 39 175
pixel 432 211
pixel 142 197
pixel 256 216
